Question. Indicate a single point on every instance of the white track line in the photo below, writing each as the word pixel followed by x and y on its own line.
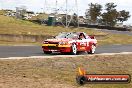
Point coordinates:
pixel 31 57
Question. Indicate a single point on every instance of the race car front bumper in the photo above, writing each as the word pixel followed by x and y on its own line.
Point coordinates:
pixel 56 48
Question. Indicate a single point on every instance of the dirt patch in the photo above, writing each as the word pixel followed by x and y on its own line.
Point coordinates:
pixel 61 72
pixel 23 82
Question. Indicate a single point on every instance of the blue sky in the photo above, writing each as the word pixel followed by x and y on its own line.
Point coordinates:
pixel 37 5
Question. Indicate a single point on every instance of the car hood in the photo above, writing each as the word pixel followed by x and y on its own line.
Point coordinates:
pixel 59 40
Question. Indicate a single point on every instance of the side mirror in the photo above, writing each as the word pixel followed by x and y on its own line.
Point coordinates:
pixel 53 37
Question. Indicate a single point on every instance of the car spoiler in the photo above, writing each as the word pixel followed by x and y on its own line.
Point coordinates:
pixel 92 36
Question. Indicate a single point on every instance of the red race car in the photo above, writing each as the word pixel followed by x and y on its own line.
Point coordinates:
pixel 72 42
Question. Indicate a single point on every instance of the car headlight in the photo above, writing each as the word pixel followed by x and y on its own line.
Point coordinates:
pixel 63 43
pixel 45 42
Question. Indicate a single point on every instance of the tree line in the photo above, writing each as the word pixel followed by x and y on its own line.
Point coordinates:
pixel 107 16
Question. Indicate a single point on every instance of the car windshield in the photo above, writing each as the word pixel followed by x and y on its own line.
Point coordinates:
pixel 67 35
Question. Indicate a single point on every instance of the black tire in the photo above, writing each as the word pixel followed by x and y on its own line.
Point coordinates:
pixel 73 49
pixel 92 50
pixel 47 52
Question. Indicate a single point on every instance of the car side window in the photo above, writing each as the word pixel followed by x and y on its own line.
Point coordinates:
pixel 81 36
pixel 86 36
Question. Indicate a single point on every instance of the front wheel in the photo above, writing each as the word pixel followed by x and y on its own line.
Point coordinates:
pixel 92 50
pixel 74 49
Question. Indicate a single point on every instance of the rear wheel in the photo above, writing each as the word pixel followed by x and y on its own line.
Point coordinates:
pixel 92 50
pixel 47 52
pixel 74 49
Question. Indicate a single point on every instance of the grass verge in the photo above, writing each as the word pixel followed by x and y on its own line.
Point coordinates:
pixel 115 39
pixel 10 25
pixel 61 72
pixel 13 26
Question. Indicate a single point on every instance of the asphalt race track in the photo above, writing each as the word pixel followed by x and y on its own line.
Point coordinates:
pixel 26 51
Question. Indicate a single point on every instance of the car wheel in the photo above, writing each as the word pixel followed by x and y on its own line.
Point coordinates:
pixel 92 50
pixel 47 52
pixel 74 49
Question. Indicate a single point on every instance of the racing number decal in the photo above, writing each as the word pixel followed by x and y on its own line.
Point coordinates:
pixel 83 44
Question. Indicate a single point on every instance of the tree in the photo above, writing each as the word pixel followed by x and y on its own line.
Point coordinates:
pixel 94 12
pixel 123 16
pixel 110 17
pixel 110 6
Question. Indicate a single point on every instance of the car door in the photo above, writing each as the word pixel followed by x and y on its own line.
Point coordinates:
pixel 88 42
pixel 82 44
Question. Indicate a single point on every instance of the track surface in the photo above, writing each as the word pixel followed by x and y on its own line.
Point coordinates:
pixel 26 51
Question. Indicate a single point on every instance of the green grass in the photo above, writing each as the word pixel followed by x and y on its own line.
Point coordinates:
pixel 18 43
pixel 115 39
pixel 62 71
pixel 2 12
pixel 9 25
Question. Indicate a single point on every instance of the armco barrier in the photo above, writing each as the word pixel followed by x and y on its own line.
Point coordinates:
pixel 23 38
